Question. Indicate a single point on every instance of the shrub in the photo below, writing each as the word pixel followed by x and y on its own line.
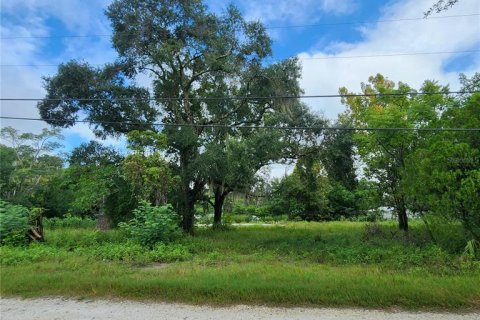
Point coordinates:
pixel 13 223
pixel 152 225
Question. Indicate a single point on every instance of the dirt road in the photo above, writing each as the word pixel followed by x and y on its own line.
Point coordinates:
pixel 52 309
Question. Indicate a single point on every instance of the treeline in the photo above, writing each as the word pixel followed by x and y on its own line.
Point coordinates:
pixel 212 85
pixel 338 174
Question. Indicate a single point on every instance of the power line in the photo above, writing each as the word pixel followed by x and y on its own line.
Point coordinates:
pixel 267 27
pixel 373 21
pixel 349 95
pixel 299 58
pixel 389 55
pixel 191 125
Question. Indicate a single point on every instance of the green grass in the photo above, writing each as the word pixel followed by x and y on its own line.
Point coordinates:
pixel 308 264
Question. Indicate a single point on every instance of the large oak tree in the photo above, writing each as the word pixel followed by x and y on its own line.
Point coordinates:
pixel 193 56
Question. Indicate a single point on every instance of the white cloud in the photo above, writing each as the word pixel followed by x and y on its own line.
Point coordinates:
pixel 338 7
pixel 82 130
pixel 33 18
pixel 294 11
pixel 323 76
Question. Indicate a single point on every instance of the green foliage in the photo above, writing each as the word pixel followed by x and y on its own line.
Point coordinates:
pixel 444 182
pixel 28 165
pixel 209 55
pixel 439 6
pixel 35 252
pixel 337 154
pixel 147 170
pixel 373 215
pixel 78 79
pixel 443 176
pixel 303 194
pixel 385 153
pixel 13 224
pixel 152 225
pixel 342 202
pixel 94 183
pixel 135 253
pixel 240 209
pixel 73 238
pixel 340 263
pixel 117 252
pixel 69 221
pixel 7 165
pixel 93 153
pixel 472 250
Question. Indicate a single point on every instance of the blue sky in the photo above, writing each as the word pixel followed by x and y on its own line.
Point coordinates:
pixel 311 44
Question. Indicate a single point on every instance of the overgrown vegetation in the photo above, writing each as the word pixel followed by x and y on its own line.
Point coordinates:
pixel 295 263
pixel 13 224
pixel 152 225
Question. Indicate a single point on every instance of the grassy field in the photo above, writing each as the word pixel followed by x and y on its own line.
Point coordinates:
pixel 307 264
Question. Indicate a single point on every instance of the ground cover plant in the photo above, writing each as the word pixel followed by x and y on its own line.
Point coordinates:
pixel 292 263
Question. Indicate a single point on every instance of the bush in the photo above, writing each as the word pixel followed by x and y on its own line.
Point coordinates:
pixel 240 210
pixel 13 224
pixel 152 225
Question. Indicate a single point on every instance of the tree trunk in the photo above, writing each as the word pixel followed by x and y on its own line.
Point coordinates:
pixel 187 201
pixel 218 206
pixel 103 223
pixel 186 208
pixel 402 215
pixel 187 211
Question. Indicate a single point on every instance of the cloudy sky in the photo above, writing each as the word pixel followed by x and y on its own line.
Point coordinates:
pixel 324 33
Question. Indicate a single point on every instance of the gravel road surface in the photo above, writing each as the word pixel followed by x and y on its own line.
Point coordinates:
pixel 57 308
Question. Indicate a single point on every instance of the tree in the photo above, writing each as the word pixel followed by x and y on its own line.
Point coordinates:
pixel 7 166
pixel 150 174
pixel 97 178
pixel 235 162
pixel 93 153
pixel 80 188
pixel 443 175
pixel 303 194
pixel 439 6
pixel 337 154
pixel 28 164
pixel 192 55
pixel 385 152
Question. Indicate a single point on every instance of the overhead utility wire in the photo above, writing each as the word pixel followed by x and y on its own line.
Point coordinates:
pixel 267 27
pixel 349 95
pixel 373 21
pixel 246 126
pixel 299 58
